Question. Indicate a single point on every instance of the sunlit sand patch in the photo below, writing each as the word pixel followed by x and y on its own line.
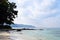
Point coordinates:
pixel 5 34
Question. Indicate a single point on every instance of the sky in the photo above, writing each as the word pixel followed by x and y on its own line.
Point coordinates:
pixel 39 13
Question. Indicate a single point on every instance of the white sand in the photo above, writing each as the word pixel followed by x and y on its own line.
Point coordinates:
pixel 4 36
pixel 18 36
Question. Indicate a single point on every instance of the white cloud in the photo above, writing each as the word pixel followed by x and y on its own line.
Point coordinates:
pixel 46 3
pixel 37 9
pixel 37 12
pixel 51 22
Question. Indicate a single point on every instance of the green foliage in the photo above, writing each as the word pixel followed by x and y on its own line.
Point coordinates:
pixel 7 12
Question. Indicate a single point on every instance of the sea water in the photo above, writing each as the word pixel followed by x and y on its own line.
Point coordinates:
pixel 45 34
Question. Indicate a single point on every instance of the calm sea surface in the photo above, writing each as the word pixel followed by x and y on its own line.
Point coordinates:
pixel 46 34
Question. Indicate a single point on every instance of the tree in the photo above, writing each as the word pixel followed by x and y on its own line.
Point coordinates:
pixel 7 12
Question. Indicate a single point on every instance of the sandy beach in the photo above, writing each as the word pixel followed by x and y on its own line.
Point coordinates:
pixel 4 36
pixel 28 35
pixel 15 36
pixel 18 36
pixel 9 36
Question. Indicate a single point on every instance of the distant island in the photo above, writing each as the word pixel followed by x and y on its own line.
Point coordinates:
pixel 20 26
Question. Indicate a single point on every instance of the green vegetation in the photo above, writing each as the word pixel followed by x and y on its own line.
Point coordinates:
pixel 7 14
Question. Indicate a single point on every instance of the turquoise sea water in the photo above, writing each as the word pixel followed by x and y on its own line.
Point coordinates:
pixel 46 34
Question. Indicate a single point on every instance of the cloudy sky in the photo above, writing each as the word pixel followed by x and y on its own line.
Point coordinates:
pixel 40 13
